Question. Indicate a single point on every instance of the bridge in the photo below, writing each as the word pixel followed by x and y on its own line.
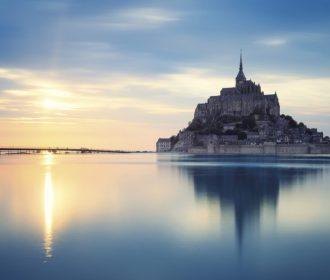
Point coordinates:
pixel 57 150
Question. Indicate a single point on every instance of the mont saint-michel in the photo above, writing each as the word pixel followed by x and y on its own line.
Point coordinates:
pixel 244 120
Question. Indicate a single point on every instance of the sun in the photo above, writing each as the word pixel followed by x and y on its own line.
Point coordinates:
pixel 49 104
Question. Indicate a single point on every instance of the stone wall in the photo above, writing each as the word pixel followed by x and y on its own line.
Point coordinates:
pixel 238 104
pixel 265 149
pixel 197 150
pixel 319 149
pixel 292 149
pixel 186 141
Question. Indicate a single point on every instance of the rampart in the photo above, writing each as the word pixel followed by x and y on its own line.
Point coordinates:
pixel 264 149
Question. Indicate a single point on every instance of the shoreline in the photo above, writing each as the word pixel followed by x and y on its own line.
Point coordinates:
pixel 262 149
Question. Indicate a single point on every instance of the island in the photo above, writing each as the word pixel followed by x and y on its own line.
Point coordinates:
pixel 244 120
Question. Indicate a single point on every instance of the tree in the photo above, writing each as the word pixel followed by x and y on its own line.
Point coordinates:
pixel 292 123
pixel 195 125
pixel 241 135
pixel 249 123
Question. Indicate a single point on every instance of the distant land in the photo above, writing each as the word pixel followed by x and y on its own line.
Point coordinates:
pixel 244 120
pixel 58 150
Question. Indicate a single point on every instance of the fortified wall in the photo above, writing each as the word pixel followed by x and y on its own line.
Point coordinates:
pixel 263 149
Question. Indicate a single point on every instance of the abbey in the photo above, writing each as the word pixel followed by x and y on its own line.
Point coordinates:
pixel 244 99
pixel 243 119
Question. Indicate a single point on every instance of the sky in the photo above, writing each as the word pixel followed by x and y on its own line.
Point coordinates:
pixel 120 74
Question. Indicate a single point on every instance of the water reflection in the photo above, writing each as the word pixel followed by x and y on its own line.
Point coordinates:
pixel 187 218
pixel 247 189
pixel 48 208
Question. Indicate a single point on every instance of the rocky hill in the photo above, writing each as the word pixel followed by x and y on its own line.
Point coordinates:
pixel 243 114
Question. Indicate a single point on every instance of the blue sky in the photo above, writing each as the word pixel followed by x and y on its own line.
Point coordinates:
pixel 124 66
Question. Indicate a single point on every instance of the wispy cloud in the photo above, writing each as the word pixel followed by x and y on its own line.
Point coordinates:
pixel 157 94
pixel 99 93
pixel 298 37
pixel 160 103
pixel 273 42
pixel 134 19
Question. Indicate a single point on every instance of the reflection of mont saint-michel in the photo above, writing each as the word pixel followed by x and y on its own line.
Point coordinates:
pixel 245 190
pixel 244 120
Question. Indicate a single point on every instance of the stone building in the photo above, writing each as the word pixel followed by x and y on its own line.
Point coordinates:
pixel 243 119
pixel 317 137
pixel 229 139
pixel 244 99
pixel 229 126
pixel 164 145
pixel 252 137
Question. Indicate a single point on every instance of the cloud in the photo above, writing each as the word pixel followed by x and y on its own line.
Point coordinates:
pixel 90 51
pixel 98 96
pixel 273 42
pixel 158 103
pixel 133 19
pixel 299 94
pixel 298 37
pixel 162 94
pixel 144 16
pixel 305 98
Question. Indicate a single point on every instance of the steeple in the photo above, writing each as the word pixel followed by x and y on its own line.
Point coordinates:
pixel 240 78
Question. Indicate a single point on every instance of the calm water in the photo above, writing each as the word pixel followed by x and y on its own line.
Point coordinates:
pixel 164 217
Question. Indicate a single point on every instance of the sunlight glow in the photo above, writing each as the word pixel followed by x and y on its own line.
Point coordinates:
pixel 49 104
pixel 48 158
pixel 48 212
pixel 52 110
pixel 48 206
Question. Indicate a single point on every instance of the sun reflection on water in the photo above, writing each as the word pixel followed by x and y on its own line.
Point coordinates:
pixel 47 159
pixel 48 209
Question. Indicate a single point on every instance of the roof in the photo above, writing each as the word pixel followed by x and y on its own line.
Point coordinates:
pixel 164 140
pixel 271 96
pixel 240 76
pixel 228 90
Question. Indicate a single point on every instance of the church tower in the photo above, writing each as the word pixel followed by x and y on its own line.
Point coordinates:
pixel 240 78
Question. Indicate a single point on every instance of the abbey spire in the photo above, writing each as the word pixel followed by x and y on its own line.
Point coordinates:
pixel 240 78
